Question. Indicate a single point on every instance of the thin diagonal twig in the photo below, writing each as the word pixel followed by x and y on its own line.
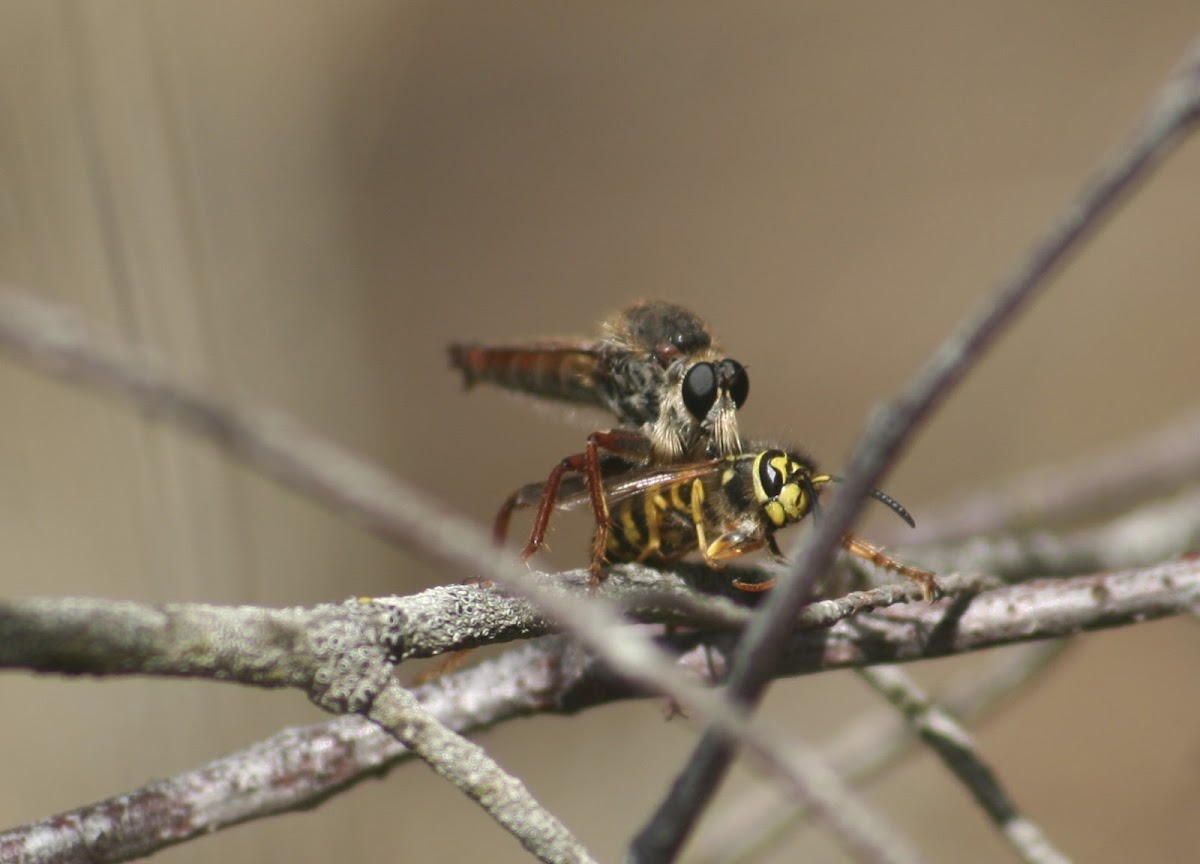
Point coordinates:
pixel 470 769
pixel 1153 532
pixel 1113 478
pixel 1172 114
pixel 867 746
pixel 956 748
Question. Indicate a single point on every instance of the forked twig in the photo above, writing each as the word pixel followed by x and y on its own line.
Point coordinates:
pixel 341 656
pixel 1170 117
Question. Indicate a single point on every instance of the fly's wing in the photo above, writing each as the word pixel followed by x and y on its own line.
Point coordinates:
pixel 563 370
pixel 573 493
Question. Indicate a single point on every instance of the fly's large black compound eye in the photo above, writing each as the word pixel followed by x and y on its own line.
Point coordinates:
pixel 733 378
pixel 770 478
pixel 700 389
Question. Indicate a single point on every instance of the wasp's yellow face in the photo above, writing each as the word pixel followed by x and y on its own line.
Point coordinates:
pixel 781 486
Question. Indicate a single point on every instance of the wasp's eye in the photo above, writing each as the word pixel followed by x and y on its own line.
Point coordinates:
pixel 700 389
pixel 770 477
pixel 733 378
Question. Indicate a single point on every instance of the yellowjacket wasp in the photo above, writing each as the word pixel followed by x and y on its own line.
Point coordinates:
pixel 722 508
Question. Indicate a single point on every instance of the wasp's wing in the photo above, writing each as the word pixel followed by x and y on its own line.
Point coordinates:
pixel 564 370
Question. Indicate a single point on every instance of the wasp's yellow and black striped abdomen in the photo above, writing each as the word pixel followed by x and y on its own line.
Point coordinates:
pixel 657 525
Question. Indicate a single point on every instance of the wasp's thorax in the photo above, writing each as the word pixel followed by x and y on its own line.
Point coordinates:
pixel 759 493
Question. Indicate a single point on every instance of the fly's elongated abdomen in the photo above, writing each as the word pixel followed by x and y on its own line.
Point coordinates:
pixel 567 374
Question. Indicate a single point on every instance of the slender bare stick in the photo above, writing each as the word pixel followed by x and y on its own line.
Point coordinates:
pixel 865 748
pixel 1154 532
pixel 1171 116
pixel 1113 478
pixel 956 748
pixel 472 771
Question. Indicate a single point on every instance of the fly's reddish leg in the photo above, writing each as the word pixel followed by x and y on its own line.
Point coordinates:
pixel 541 520
pixel 500 526
pixel 619 442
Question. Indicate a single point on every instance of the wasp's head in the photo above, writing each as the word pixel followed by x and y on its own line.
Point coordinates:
pixel 784 486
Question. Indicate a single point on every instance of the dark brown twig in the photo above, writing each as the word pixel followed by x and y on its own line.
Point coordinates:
pixel 1171 116
pixel 865 748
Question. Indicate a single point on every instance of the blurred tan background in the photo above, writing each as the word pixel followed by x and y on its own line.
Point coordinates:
pixel 303 202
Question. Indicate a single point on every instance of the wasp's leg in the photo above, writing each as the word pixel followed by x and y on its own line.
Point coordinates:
pixel 766 584
pixel 876 556
pixel 697 507
pixel 653 505
pixel 731 544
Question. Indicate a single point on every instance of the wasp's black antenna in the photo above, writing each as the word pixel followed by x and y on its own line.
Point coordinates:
pixel 814 504
pixel 884 498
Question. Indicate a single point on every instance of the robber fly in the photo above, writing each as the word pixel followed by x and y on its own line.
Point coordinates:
pixel 722 508
pixel 655 368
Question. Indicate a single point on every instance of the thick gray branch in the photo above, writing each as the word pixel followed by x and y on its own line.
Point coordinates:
pixel 1042 609
pixel 300 768
pixel 224 642
pixel 342 656
pixel 1172 115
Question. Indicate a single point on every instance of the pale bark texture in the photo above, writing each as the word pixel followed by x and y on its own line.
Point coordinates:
pixel 296 206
